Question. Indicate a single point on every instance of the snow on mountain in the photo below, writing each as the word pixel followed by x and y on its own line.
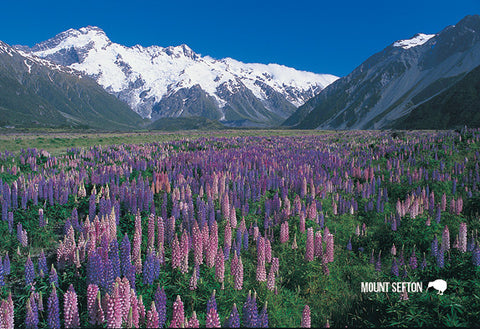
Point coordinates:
pixel 143 76
pixel 418 40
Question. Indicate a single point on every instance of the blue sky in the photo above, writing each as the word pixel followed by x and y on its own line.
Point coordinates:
pixel 313 35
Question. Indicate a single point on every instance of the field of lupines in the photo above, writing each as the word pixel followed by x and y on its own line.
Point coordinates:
pixel 249 231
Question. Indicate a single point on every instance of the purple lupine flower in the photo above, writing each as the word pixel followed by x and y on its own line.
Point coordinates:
pixel 53 277
pixel 252 319
pixel 329 247
pixel 114 257
pixel 41 219
pixel 349 244
pixel 6 264
pixel 440 258
pixel 152 317
pixel 476 255
pixel 70 309
pixel 394 269
pixel 161 305
pixel 434 248
pixel 212 302
pixel 31 319
pixel 423 265
pixel 306 322
pixel 29 271
pixel 53 310
pixel 125 255
pixel 263 319
pixel 212 320
pixel 378 264
pixel 246 310
pixel 234 318
pixel 148 269
pixel 42 264
pixel 178 315
pixel 2 273
pixel 413 260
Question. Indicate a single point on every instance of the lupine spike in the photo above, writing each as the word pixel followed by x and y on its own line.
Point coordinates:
pixel 53 310
pixel 306 322
pixel 70 310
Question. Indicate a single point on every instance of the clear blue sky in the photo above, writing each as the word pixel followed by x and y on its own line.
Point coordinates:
pixel 332 36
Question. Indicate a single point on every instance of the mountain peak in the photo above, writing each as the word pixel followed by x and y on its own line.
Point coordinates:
pixel 84 37
pixel 417 40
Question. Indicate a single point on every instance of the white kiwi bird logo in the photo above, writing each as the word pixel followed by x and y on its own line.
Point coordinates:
pixel 439 284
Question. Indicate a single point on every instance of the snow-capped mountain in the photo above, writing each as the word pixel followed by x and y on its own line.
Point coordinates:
pixel 395 81
pixel 175 81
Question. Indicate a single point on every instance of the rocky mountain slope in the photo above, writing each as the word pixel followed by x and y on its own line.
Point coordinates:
pixel 38 93
pixel 393 82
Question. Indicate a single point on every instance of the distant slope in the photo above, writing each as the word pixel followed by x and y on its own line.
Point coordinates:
pixel 456 107
pixel 38 93
pixel 391 83
pixel 186 123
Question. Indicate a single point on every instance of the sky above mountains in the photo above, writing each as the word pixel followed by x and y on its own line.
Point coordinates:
pixel 319 36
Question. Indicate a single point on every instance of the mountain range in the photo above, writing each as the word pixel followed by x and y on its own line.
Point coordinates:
pixel 158 82
pixel 80 78
pixel 391 84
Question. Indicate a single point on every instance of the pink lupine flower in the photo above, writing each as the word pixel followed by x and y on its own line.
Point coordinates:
pixel 233 217
pixel 114 308
pixel 92 291
pixel 462 237
pixel 151 231
pixel 445 239
pixel 193 321
pixel 302 223
pixel 134 308
pixel 268 250
pixel 306 323
pixel 219 266
pixel 309 249
pixel 329 248
pixel 7 313
pixel 160 232
pixel 212 320
pixel 152 317
pixel 176 253
pixel 70 310
pixel 271 279
pixel 184 248
pixel 318 247
pixel 141 311
pixel 294 243
pixel 193 279
pixel 284 236
pixel 137 243
pixel 178 316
